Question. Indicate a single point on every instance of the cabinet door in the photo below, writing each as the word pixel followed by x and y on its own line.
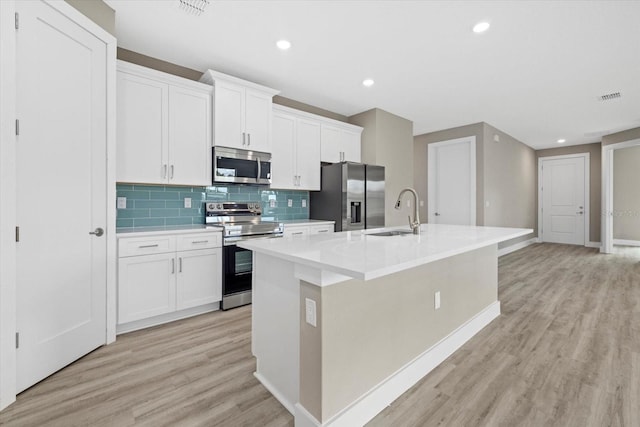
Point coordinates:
pixel 142 153
pixel 146 286
pixel 330 148
pixel 199 278
pixel 228 113
pixel 308 154
pixel 189 137
pixel 351 146
pixel 258 120
pixel 283 171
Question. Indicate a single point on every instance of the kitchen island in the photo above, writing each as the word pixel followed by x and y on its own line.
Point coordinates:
pixel 345 323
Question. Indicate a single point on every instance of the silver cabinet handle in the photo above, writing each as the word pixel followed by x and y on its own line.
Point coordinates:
pixel 180 265
pixel 164 171
pixel 195 242
pixel 148 246
pixel 97 232
pixel 171 174
pixel 173 265
pixel 259 169
pixel 298 180
pixel 248 139
pixel 298 233
pixel 243 138
pixel 323 231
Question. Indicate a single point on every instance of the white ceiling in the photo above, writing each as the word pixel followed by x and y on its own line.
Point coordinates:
pixel 536 74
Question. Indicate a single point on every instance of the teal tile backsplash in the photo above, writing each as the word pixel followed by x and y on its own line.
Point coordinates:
pixel 158 205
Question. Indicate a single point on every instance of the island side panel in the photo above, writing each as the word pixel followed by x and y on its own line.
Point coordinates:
pixel 275 323
pixel 368 330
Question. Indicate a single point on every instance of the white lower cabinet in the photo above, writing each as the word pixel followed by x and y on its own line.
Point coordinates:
pixel 152 284
pixel 307 229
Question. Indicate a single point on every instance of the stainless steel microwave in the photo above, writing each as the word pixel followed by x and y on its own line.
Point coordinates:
pixel 241 166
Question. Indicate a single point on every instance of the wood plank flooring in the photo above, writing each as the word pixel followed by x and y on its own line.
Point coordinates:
pixel 564 352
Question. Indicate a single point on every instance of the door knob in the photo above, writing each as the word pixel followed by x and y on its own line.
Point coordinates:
pixel 437 214
pixel 97 232
pixel 579 213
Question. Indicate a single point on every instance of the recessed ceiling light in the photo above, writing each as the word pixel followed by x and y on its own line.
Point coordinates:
pixel 481 27
pixel 560 141
pixel 368 82
pixel 283 44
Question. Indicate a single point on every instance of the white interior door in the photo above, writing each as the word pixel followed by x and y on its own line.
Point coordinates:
pixel 563 200
pixel 452 182
pixel 61 187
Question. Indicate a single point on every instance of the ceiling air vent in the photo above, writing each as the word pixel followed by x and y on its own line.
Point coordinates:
pixel 194 7
pixel 609 96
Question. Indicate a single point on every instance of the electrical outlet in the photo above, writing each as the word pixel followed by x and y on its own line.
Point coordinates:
pixel 310 311
pixel 272 203
pixel 187 202
pixel 290 203
pixel 436 300
pixel 122 202
pixel 304 203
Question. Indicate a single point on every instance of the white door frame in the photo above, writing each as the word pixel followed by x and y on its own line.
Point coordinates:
pixel 8 194
pixel 607 192
pixel 431 175
pixel 587 191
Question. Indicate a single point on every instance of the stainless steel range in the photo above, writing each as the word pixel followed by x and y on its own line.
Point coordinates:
pixel 239 221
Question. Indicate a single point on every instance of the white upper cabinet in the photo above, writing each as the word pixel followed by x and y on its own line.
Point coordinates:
pixel 295 162
pixel 163 128
pixel 241 113
pixel 340 142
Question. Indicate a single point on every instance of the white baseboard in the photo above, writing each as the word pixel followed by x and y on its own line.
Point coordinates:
pixel 624 242
pixel 289 406
pixel 165 318
pixel 375 400
pixel 596 244
pixel 517 246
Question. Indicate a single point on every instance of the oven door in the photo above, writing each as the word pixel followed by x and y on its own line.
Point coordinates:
pixel 237 265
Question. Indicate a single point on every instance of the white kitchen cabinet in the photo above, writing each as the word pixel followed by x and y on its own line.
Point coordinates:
pixel 241 113
pixel 163 128
pixel 306 228
pixel 295 162
pixel 340 143
pixel 162 277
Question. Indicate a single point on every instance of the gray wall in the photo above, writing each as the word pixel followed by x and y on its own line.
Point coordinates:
pixel 387 140
pixel 505 176
pixel 626 193
pixel 98 11
pixel 595 180
pixel 626 135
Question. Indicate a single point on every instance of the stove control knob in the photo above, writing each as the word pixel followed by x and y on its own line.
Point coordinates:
pixel 219 206
pixel 210 206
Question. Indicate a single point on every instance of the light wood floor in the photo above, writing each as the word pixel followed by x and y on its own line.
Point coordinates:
pixel 564 352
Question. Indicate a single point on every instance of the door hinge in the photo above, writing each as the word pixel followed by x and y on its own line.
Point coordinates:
pixel 17 234
pixel 17 16
pixel 17 127
pixel 17 339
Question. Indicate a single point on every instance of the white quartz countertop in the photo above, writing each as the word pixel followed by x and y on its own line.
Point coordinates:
pixel 159 231
pixel 305 222
pixel 360 255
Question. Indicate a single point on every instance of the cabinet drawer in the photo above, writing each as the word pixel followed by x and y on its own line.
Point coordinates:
pixel 199 241
pixel 134 246
pixel 320 229
pixel 295 231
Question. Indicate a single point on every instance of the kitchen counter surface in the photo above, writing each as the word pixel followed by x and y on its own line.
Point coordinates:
pixel 360 255
pixel 170 229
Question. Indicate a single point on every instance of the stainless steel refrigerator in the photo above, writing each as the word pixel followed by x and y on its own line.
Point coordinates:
pixel 352 195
